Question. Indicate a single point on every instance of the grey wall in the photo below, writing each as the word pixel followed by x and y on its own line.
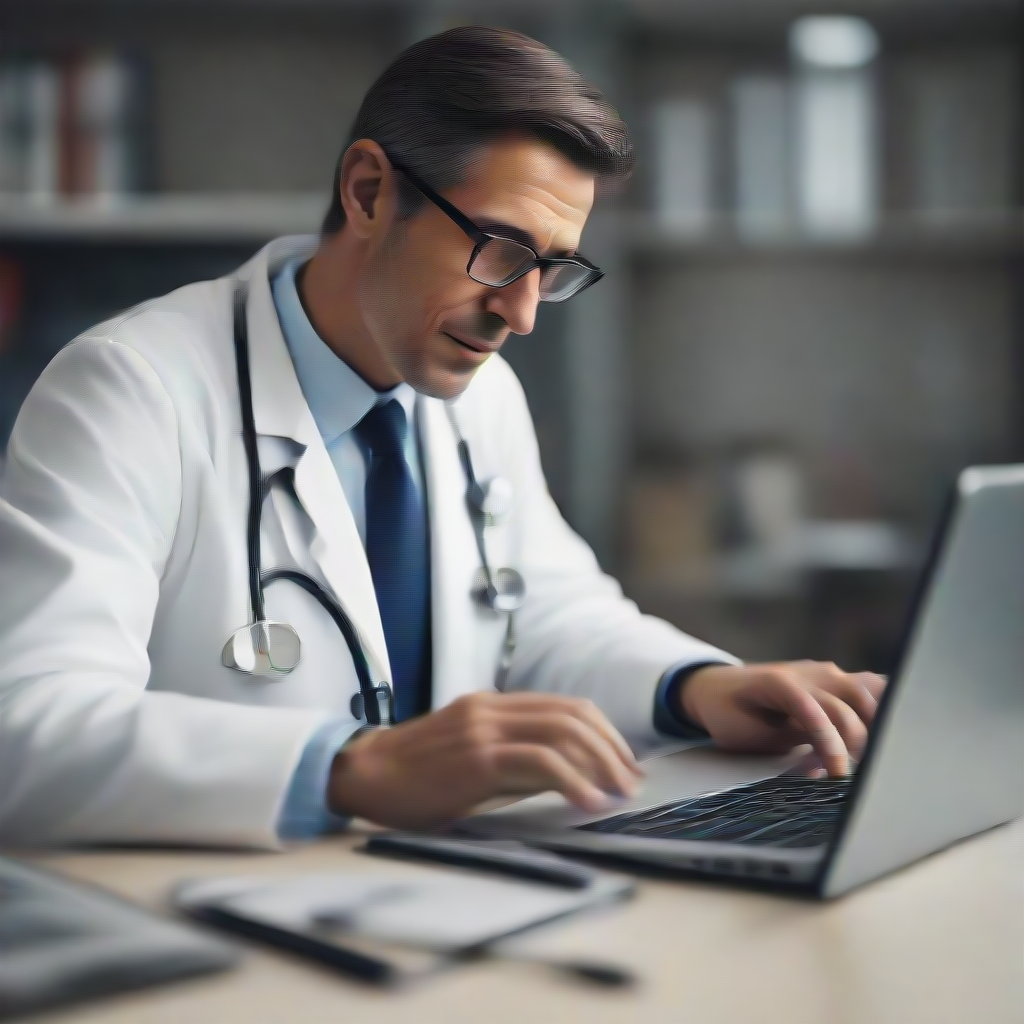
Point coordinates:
pixel 246 112
pixel 891 371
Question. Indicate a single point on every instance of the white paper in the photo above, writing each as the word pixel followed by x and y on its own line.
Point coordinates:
pixel 444 912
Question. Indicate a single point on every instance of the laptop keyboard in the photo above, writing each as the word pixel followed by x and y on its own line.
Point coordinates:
pixel 783 811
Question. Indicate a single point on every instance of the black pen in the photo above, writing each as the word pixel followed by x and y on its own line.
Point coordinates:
pixel 361 966
pixel 504 858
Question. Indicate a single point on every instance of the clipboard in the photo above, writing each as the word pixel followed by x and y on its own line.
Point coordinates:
pixel 384 929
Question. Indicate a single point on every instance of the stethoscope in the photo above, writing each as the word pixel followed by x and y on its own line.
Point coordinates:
pixel 267 648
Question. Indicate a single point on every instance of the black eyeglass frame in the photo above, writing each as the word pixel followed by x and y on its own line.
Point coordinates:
pixel 481 238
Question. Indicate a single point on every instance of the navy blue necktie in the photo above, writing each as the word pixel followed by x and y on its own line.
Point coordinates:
pixel 397 548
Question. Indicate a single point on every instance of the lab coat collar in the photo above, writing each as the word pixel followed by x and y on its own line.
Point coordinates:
pixel 280 410
pixel 279 406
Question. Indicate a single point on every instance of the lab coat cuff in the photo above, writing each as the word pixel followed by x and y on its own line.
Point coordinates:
pixel 669 717
pixel 304 813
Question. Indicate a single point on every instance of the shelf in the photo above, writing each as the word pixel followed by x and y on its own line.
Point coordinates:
pixel 838 547
pixel 229 217
pixel 941 235
pixel 182 217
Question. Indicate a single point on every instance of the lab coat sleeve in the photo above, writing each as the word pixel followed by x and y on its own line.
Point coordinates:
pixel 89 505
pixel 577 633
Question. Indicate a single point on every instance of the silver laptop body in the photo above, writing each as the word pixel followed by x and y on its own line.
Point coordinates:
pixel 945 758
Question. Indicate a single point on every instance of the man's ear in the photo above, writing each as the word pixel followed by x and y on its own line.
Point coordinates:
pixel 366 182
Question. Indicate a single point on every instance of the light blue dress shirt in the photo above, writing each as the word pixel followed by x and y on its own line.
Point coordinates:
pixel 339 398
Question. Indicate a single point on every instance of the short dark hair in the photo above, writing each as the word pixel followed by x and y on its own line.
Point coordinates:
pixel 444 97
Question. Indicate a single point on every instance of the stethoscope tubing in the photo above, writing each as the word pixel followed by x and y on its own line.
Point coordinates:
pixel 370 693
pixel 252 455
pixel 336 612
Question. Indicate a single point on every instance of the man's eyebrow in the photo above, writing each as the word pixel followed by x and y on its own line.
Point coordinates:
pixel 519 235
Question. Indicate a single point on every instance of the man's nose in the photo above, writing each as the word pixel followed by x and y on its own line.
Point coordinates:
pixel 516 303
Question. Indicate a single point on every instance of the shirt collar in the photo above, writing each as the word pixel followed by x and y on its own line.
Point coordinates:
pixel 337 396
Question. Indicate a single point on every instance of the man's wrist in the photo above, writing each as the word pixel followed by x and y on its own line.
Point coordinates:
pixel 686 707
pixel 670 716
pixel 343 782
pixel 336 796
pixel 692 695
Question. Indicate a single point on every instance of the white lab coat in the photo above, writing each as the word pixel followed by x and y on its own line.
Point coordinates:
pixel 123 571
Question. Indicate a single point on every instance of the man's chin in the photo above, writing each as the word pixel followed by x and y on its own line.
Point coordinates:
pixel 443 382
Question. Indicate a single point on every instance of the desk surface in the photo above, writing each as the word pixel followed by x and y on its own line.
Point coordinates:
pixel 940 941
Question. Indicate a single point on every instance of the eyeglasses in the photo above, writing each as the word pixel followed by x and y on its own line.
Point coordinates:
pixel 497 261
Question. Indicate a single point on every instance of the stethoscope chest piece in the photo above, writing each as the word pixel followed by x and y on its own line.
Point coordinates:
pixel 503 590
pixel 263 649
pixel 493 499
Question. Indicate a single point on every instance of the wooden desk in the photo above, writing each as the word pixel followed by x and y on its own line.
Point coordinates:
pixel 941 941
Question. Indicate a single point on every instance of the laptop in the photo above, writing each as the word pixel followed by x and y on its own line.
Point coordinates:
pixel 943 760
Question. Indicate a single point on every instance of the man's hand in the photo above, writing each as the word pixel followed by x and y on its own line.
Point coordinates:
pixel 437 768
pixel 773 708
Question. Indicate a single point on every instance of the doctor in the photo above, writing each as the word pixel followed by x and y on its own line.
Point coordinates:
pixel 389 464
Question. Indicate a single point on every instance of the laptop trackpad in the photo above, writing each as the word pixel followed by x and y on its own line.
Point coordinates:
pixel 673 775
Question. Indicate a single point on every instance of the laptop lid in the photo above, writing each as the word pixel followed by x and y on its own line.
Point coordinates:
pixel 944 759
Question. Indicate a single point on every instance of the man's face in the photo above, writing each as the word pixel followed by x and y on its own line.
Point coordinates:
pixel 432 322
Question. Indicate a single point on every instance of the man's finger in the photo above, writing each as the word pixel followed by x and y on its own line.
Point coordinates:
pixel 592 714
pixel 532 768
pixel 576 740
pixel 846 720
pixel 579 707
pixel 874 682
pixel 821 732
pixel 856 694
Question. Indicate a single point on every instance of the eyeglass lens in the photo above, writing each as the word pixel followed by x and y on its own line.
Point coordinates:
pixel 500 261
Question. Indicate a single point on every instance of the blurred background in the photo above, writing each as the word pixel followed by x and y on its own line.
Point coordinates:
pixel 813 312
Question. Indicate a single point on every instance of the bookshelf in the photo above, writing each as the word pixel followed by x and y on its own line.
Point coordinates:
pixel 966 234
pixel 197 217
pixel 878 363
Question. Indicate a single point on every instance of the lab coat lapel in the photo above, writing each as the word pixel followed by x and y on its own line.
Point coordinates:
pixel 280 410
pixel 453 556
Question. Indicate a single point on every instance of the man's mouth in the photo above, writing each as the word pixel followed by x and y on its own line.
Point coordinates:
pixel 480 347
